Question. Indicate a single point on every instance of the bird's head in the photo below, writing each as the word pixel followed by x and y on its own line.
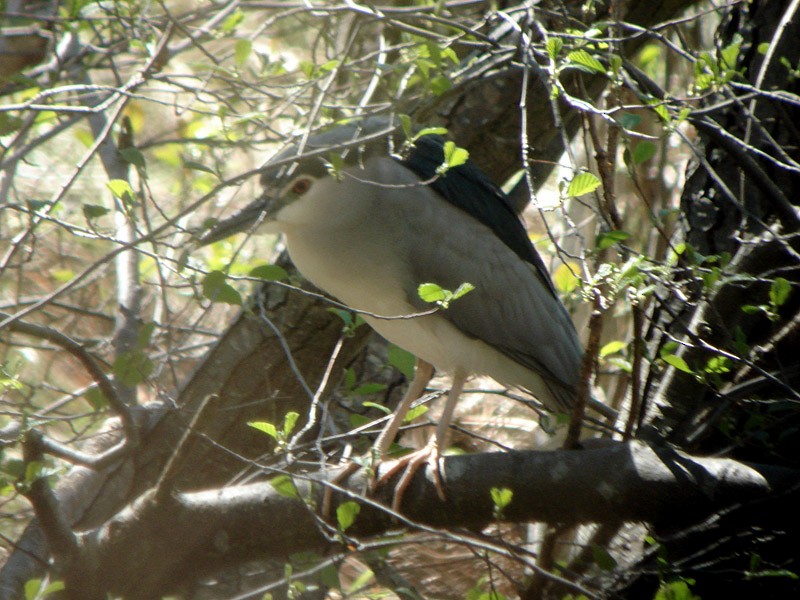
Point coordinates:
pixel 299 174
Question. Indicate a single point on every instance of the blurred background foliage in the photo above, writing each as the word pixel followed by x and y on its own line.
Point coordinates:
pixel 129 124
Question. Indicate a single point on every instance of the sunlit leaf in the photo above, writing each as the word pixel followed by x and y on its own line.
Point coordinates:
pixel 289 422
pixel 585 61
pixel 554 46
pixel 346 514
pixel 582 183
pixel 265 427
pixel 284 485
pixel 677 362
pixel 453 157
pixel 565 277
pixel 612 348
pixel 121 189
pixel 428 131
pixel 779 291
pixel 501 497
pixel 431 292
pixel 415 413
pixel 241 51
pixel 462 290
pixel 606 239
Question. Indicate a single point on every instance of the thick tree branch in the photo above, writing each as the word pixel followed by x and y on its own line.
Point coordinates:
pixel 135 554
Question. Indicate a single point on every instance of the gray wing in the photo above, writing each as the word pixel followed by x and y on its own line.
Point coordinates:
pixel 511 308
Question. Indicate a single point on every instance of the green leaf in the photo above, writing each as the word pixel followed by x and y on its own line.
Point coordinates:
pixel 232 21
pixel 9 123
pixel 216 289
pixel 763 47
pixel 367 389
pixel 779 291
pixel 133 156
pixel 462 290
pixel 266 427
pixel 330 65
pixel 501 497
pixel 426 131
pixel 284 485
pixel 718 364
pixel 415 412
pixel 431 292
pixel 96 398
pixel 131 368
pixel 269 273
pixel 196 166
pixel 677 362
pixel 585 61
pixel 121 189
pixel 360 420
pixel 660 109
pixel 346 514
pixel 33 471
pixel 31 589
pixel 384 409
pixel 405 125
pixel 602 558
pixel 402 360
pixel 676 590
pixel 289 422
pixel 94 211
pixel 144 334
pixel 241 51
pixel 582 183
pixel 565 278
pixel 643 151
pixel 440 84
pixel 629 120
pixel 360 582
pixel 612 348
pixel 554 46
pixel 752 309
pixel 730 53
pixel 453 157
pixel 649 54
pixel 606 239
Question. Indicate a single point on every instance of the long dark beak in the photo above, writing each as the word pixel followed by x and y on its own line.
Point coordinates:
pixel 246 219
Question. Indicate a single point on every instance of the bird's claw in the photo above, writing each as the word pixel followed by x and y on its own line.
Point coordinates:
pixel 410 464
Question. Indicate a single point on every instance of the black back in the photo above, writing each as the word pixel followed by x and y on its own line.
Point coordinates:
pixel 469 189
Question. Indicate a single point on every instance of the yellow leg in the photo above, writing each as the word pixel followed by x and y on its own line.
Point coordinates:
pixel 423 372
pixel 430 454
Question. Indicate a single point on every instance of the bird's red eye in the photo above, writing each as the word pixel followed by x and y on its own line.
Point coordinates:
pixel 300 186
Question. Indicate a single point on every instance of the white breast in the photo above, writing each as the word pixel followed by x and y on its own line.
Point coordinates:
pixel 352 239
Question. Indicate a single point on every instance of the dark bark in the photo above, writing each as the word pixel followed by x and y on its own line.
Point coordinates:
pixel 135 554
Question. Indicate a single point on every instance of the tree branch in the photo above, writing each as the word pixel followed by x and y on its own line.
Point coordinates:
pixel 135 554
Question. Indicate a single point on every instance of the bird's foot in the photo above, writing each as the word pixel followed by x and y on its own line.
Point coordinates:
pixel 410 464
pixel 338 479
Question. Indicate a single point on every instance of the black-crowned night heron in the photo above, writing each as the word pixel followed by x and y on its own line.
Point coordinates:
pixel 381 223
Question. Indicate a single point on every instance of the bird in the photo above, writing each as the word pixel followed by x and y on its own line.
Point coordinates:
pixel 368 220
